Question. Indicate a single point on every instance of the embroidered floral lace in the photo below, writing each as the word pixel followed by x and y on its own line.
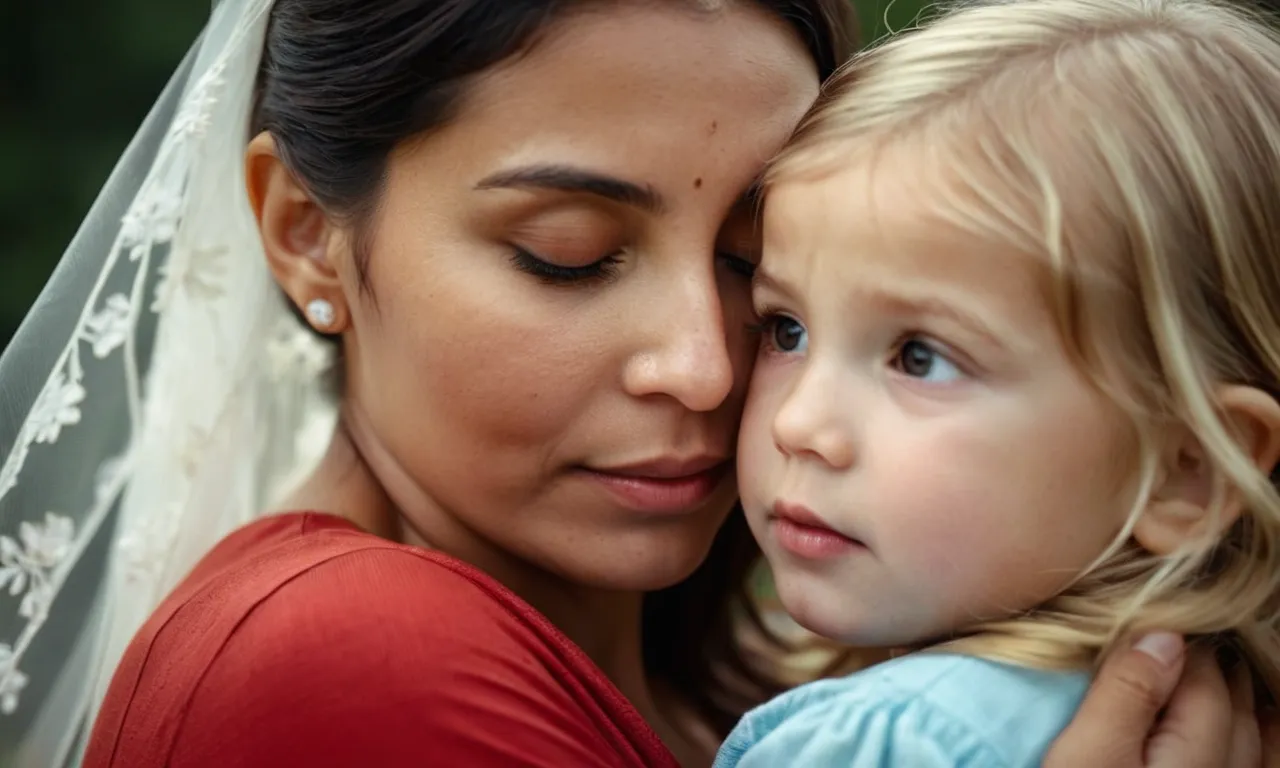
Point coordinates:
pixel 157 396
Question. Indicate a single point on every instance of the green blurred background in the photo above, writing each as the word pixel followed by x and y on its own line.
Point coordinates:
pixel 76 79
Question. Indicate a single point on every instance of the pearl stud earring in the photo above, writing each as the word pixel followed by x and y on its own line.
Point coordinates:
pixel 320 313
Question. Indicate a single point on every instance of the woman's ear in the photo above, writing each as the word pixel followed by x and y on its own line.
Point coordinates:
pixel 1181 509
pixel 297 237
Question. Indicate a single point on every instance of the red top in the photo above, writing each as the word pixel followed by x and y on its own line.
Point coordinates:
pixel 303 641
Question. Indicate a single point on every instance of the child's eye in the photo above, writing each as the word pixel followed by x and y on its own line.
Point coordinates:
pixel 785 334
pixel 919 360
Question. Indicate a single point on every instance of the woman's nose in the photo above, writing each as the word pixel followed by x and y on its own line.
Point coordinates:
pixel 687 357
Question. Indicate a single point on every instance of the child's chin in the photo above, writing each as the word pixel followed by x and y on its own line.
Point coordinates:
pixel 823 614
pixel 836 617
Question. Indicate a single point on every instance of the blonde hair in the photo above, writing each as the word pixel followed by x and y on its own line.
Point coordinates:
pixel 1136 145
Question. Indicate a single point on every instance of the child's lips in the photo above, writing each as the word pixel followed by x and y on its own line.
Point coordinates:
pixel 804 533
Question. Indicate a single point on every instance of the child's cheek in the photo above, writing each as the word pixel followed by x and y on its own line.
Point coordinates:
pixel 939 520
pixel 758 458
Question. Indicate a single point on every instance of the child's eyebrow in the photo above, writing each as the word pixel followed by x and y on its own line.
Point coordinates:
pixel 922 304
pixel 898 303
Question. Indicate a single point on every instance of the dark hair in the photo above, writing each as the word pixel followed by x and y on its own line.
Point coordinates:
pixel 342 83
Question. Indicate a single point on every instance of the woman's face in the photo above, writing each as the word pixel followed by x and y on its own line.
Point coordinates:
pixel 551 356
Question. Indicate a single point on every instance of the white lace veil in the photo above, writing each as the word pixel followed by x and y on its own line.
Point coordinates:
pixel 158 395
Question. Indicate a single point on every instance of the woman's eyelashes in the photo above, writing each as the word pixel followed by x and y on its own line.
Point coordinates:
pixel 740 265
pixel 559 274
pixel 604 268
pixel 567 244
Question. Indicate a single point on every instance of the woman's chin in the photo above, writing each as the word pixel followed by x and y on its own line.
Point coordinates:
pixel 640 564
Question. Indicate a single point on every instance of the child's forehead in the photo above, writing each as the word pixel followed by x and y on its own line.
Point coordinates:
pixel 898 229
pixel 894 201
pixel 938 199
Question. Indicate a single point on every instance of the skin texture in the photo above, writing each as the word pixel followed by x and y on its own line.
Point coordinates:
pixel 477 393
pixel 942 425
pixel 946 432
pixel 943 428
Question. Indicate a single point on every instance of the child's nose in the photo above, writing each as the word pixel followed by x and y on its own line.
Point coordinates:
pixel 809 425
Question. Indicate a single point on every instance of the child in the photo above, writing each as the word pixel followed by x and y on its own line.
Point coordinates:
pixel 1016 393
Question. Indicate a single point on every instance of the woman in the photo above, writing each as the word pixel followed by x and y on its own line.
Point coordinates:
pixel 526 227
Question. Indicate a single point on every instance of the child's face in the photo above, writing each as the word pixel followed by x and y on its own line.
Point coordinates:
pixel 913 394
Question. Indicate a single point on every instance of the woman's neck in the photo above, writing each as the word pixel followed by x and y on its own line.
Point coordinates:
pixel 606 625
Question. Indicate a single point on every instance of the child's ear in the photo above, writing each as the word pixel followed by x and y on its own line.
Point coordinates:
pixel 1181 506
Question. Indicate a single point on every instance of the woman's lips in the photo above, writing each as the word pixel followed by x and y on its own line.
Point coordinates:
pixel 663 486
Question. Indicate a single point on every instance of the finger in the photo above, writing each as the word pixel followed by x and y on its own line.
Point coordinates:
pixel 1269 722
pixel 1132 687
pixel 1246 736
pixel 1197 726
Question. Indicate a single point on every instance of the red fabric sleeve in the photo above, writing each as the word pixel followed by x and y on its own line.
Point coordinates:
pixel 339 668
pixel 301 641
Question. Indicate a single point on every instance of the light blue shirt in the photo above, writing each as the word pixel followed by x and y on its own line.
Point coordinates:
pixel 925 710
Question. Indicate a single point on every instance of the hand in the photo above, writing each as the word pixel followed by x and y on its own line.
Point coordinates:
pixel 1270 723
pixel 1206 724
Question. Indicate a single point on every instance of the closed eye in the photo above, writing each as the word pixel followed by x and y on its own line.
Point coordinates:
pixel 558 274
pixel 737 264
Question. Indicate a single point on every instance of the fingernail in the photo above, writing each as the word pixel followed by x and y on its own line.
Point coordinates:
pixel 1164 647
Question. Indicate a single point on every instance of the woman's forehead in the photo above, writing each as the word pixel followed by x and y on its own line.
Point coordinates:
pixel 647 88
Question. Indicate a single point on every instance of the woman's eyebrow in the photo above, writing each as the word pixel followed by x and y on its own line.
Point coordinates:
pixel 566 178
